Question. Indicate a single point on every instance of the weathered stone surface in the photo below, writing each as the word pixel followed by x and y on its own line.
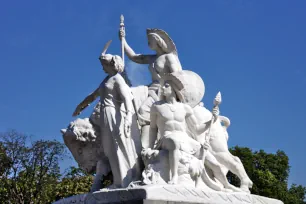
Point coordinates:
pixel 166 194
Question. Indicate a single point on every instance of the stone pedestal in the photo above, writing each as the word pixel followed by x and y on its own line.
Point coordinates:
pixel 166 194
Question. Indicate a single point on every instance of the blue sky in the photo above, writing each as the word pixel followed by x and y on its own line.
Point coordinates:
pixel 254 52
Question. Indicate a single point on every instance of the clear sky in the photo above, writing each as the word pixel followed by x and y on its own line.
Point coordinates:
pixel 254 52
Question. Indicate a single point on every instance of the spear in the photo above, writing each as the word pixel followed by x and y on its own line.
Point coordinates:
pixel 206 178
pixel 217 102
pixel 122 28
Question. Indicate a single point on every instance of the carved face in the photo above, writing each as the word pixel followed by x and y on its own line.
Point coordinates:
pixel 167 89
pixel 107 63
pixel 107 67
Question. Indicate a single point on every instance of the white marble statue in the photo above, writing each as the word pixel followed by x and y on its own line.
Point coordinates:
pixel 168 130
pixel 83 140
pixel 164 119
pixel 115 123
pixel 218 158
pixel 159 141
pixel 164 61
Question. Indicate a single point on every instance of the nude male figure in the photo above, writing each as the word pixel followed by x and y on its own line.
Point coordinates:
pixel 168 129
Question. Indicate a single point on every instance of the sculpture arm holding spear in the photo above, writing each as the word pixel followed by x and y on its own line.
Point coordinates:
pixel 138 58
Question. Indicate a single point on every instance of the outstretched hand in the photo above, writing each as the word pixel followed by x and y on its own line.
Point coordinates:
pixel 76 113
pixel 79 109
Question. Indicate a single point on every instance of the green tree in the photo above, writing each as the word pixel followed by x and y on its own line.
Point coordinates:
pixel 33 170
pixel 75 181
pixel 4 160
pixel 269 172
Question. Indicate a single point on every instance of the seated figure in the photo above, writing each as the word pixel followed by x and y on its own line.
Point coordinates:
pixel 168 129
pixel 178 124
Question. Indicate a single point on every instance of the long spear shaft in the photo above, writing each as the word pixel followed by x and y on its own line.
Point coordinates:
pixel 205 177
pixel 217 102
pixel 122 28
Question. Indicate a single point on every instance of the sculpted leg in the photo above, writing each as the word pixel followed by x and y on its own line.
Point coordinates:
pixel 102 169
pixel 110 151
pixel 174 160
pixel 173 147
pixel 145 136
pixel 235 166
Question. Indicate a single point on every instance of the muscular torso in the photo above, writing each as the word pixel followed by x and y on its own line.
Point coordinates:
pixel 167 120
pixel 165 63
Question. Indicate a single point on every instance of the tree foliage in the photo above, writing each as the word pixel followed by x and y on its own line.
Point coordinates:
pixel 33 170
pixel 269 173
pixel 75 181
pixel 30 172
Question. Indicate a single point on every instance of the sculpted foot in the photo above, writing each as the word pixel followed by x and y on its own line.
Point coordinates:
pixel 173 180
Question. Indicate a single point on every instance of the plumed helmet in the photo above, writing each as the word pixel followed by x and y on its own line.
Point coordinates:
pixel 170 46
pixel 188 85
pixel 114 60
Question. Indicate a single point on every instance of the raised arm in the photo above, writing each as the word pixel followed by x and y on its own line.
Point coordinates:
pixel 138 58
pixel 86 102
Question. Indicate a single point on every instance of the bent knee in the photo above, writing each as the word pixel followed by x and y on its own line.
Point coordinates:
pixel 171 144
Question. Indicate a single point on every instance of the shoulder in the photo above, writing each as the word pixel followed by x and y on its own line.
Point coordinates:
pixel 118 78
pixel 188 109
pixel 171 57
pixel 157 105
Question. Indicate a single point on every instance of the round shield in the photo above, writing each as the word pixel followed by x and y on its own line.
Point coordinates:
pixel 189 86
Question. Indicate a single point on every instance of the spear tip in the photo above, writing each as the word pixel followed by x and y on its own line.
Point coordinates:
pixel 218 98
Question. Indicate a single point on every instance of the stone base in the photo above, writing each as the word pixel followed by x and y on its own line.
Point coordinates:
pixel 166 194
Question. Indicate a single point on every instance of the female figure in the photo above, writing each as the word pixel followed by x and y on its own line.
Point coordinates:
pixel 117 145
pixel 164 61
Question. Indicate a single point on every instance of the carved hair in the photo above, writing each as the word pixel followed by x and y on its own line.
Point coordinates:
pixel 118 63
pixel 160 42
pixel 114 60
pixel 163 40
